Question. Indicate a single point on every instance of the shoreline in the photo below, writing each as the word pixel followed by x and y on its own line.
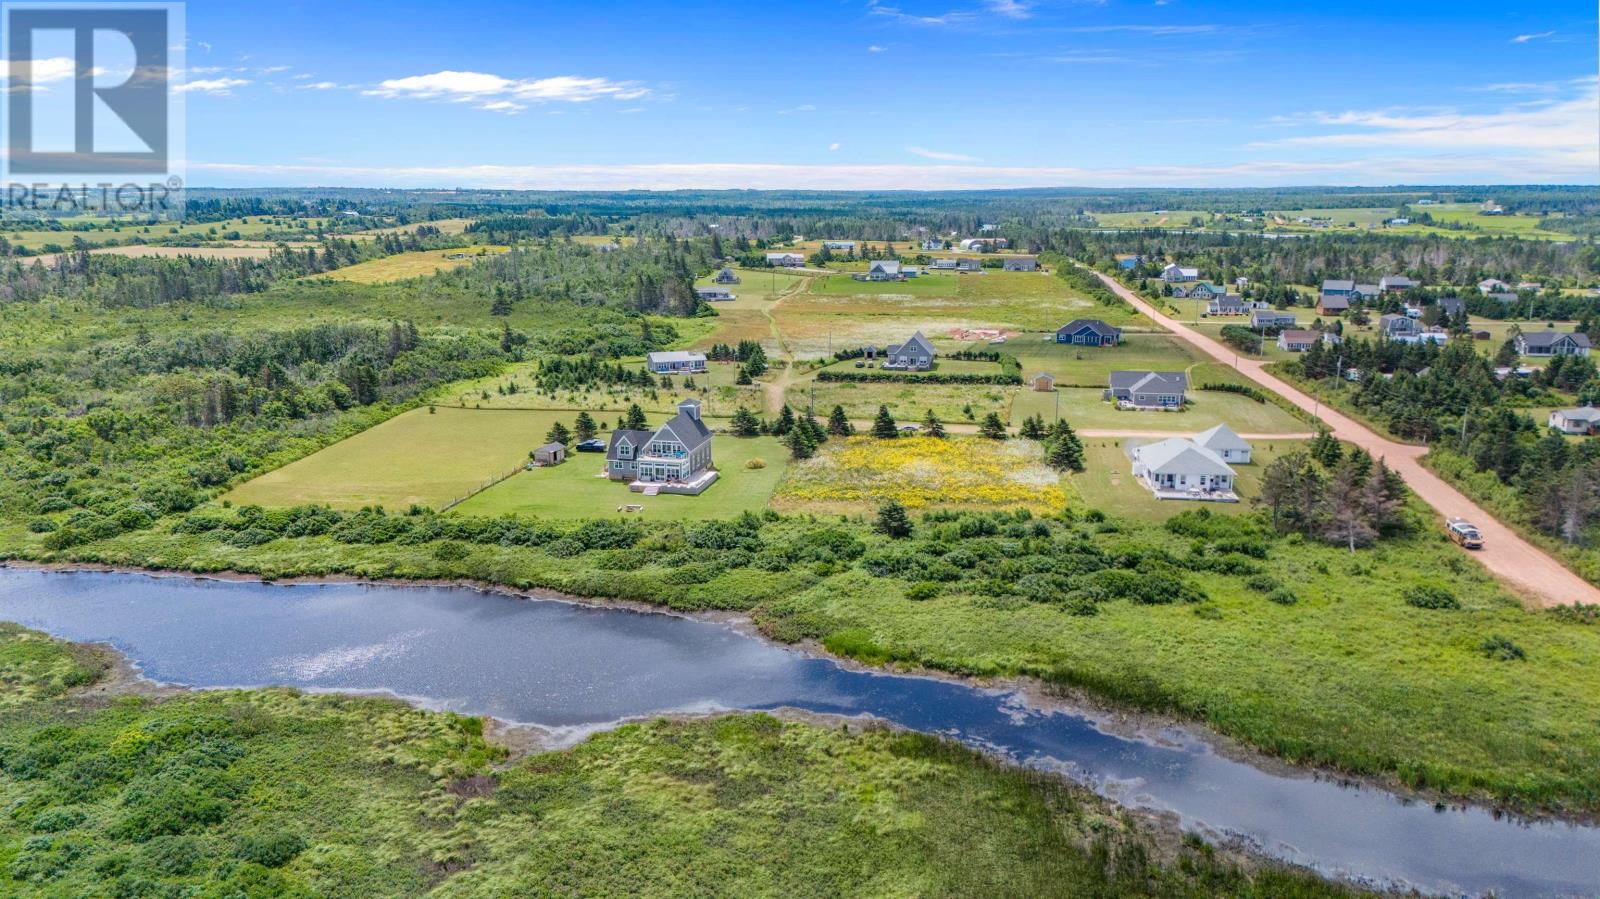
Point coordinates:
pixel 1163 831
pixel 1036 695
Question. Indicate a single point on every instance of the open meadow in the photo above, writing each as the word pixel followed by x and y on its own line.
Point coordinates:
pixel 856 474
pixel 403 266
pixel 422 457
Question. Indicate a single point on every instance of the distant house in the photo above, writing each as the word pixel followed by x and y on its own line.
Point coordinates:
pixel 985 243
pixel 1228 446
pixel 1395 282
pixel 674 458
pixel 969 265
pixel 1454 307
pixel 1271 318
pixel 915 354
pixel 1227 304
pixel 608 247
pixel 786 260
pixel 1088 332
pixel 714 294
pixel 1021 264
pixel 1339 287
pixel 1492 285
pixel 674 362
pixel 943 265
pixel 1585 420
pixel 1128 262
pixel 1177 274
pixel 933 243
pixel 1148 389
pixel 1529 285
pixel 1550 342
pixel 880 270
pixel 1179 468
pixel 1438 336
pixel 1205 290
pixel 1365 292
pixel 1503 297
pixel 726 276
pixel 550 454
pixel 1393 325
pixel 1043 382
pixel 1297 341
pixel 1335 296
pixel 848 246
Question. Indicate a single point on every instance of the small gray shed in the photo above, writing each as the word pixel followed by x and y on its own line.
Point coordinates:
pixel 550 454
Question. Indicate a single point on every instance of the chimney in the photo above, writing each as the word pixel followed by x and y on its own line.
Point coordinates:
pixel 690 408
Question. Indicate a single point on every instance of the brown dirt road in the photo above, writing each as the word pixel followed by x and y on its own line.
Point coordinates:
pixel 1529 571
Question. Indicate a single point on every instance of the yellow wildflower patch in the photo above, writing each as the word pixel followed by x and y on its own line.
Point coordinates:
pixel 921 472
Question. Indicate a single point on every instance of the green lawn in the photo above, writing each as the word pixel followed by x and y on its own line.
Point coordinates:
pixel 942 366
pixel 715 389
pixel 573 489
pixel 1084 408
pixel 1090 366
pixel 1108 482
pixel 757 288
pixel 417 457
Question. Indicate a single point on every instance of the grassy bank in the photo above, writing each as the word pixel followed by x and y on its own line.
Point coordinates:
pixel 275 793
pixel 1306 651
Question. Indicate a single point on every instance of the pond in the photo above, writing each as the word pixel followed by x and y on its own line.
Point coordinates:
pixel 574 669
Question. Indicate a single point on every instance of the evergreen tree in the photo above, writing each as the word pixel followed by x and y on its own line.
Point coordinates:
pixel 1066 450
pixel 992 427
pixel 636 420
pixel 1325 448
pixel 893 520
pixel 745 424
pixel 785 422
pixel 743 378
pixel 558 433
pixel 584 426
pixel 1032 428
pixel 838 424
pixel 883 426
pixel 800 443
pixel 814 430
pixel 932 426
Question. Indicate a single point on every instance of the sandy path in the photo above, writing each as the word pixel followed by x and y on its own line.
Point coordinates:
pixel 1528 570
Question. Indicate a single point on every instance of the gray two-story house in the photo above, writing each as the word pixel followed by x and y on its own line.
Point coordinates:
pixel 674 458
pixel 915 354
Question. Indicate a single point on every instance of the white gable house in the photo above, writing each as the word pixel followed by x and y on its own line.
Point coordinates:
pixel 1179 468
pixel 1228 446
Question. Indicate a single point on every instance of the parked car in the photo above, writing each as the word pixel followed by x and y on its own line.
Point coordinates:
pixel 594 445
pixel 1464 533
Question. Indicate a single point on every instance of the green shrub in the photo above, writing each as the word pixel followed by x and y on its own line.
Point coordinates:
pixel 923 590
pixel 1283 596
pixel 1501 649
pixel 1431 596
pixel 41 525
pixel 450 551
pixel 270 850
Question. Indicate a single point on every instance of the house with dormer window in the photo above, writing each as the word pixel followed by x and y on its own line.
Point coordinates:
pixel 915 354
pixel 674 458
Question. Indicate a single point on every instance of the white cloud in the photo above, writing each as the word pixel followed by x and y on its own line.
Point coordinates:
pixel 1557 125
pixel 834 146
pixel 895 13
pixel 221 87
pixel 1524 38
pixel 271 70
pixel 940 155
pixel 1482 168
pixel 54 68
pixel 876 49
pixel 468 87
pixel 1160 30
pixel 1010 9
pixel 318 86
pixel 505 106
pixel 803 107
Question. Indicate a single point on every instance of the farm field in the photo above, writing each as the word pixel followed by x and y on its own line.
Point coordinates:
pixel 1107 482
pixel 401 266
pixel 445 226
pixel 941 366
pixel 416 457
pixel 856 474
pixel 573 489
pixel 141 250
pixel 908 401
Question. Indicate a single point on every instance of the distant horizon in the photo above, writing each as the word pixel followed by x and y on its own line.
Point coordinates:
pixel 1406 187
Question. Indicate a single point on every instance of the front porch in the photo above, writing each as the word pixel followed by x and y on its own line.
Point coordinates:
pixel 694 485
pixel 1210 492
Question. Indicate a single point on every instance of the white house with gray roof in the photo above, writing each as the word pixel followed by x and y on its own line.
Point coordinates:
pixel 1228 446
pixel 1583 420
pixel 674 458
pixel 1180 468
pixel 1551 342
pixel 1148 389
pixel 676 362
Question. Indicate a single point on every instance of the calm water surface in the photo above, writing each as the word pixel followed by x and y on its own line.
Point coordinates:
pixel 575 669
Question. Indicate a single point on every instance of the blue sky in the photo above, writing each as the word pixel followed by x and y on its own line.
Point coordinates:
pixel 891 94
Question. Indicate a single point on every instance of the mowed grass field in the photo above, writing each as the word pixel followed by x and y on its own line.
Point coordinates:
pixel 578 489
pixel 416 457
pixel 757 288
pixel 1084 408
pixel 1107 483
pixel 1081 366
pixel 715 389
pixel 401 266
